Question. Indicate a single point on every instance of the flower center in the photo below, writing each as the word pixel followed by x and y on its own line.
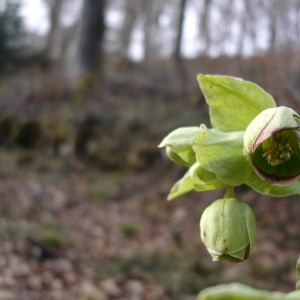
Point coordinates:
pixel 278 148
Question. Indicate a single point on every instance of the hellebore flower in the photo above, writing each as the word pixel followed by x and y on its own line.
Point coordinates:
pixel 228 230
pixel 271 144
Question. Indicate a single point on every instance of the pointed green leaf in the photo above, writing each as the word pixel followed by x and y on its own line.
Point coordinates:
pixel 233 102
pixel 222 154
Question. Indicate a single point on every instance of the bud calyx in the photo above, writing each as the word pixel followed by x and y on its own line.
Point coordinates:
pixel 228 230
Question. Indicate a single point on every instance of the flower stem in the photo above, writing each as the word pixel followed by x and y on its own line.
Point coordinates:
pixel 298 274
pixel 229 192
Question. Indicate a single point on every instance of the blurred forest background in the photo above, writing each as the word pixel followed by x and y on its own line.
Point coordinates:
pixel 85 98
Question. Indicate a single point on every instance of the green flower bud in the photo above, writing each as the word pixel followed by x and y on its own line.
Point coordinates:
pixel 271 144
pixel 228 230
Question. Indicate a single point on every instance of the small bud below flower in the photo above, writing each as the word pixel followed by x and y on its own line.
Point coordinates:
pixel 228 230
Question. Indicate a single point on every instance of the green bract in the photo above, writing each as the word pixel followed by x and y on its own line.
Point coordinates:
pixel 221 153
pixel 233 102
pixel 271 144
pixel 228 230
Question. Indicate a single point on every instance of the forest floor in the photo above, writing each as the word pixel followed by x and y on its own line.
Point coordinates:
pixel 92 222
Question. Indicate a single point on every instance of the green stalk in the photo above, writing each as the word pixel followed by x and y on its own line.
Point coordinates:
pixel 229 192
pixel 298 274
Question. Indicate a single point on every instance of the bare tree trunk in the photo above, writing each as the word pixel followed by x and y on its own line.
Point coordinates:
pixel 53 41
pixel 279 20
pixel 148 29
pixel 91 36
pixel 242 31
pixel 178 41
pixel 251 22
pixel 273 33
pixel 128 26
pixel 204 25
pixel 84 50
pixel 225 30
pixel 152 10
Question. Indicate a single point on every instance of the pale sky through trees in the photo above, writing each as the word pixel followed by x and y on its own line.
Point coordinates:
pixel 35 15
pixel 233 27
pixel 36 19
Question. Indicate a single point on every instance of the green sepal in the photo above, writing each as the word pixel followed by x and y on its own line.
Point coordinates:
pixel 178 145
pixel 263 187
pixel 184 156
pixel 222 154
pixel 196 178
pixel 204 180
pixel 182 186
pixel 233 102
pixel 239 291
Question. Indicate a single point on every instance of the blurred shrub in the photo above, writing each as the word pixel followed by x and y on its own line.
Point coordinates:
pixel 8 130
pixel 30 135
pixel 11 35
pixel 53 235
pixel 129 229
